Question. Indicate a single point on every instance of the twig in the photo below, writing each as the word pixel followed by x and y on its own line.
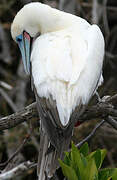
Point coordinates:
pixel 105 19
pixel 89 5
pixel 17 171
pixel 112 122
pixel 68 6
pixel 9 100
pixel 91 134
pixel 16 152
pixel 96 12
pixel 5 85
pixel 5 54
pixel 110 55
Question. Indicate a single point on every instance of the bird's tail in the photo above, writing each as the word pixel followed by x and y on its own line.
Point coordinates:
pixel 47 161
pixel 48 157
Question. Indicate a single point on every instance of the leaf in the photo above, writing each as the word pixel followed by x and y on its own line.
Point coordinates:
pixel 99 156
pixel 68 171
pixel 114 176
pixel 67 159
pixel 84 149
pixel 77 162
pixel 106 173
pixel 103 154
pixel 90 172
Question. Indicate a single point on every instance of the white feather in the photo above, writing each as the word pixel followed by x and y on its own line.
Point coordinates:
pixel 67 64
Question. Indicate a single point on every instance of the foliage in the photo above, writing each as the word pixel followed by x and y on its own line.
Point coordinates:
pixel 82 165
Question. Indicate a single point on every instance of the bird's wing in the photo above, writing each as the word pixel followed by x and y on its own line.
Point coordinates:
pixel 67 66
pixel 89 77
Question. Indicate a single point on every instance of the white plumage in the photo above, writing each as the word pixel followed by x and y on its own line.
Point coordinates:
pixel 67 64
pixel 66 69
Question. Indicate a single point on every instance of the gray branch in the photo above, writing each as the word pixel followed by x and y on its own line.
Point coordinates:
pixel 101 111
pixel 19 117
pixel 5 54
pixel 68 6
pixel 91 134
pixel 96 12
pixel 17 171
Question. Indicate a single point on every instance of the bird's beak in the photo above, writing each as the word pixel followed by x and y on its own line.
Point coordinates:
pixel 24 43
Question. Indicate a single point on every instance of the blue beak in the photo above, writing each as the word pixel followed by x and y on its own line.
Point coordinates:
pixel 24 43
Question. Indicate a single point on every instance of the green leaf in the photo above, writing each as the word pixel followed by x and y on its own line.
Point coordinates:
pixel 98 155
pixel 103 154
pixel 67 159
pixel 84 149
pixel 103 175
pixel 90 172
pixel 106 173
pixel 68 171
pixel 114 176
pixel 77 162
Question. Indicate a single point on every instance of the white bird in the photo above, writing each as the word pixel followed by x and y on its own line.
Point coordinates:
pixel 63 54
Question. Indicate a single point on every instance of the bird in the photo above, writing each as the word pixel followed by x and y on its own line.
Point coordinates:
pixel 63 54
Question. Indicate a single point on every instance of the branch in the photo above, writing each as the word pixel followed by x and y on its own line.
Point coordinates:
pixel 96 12
pixel 17 171
pixel 5 85
pixel 89 5
pixel 112 122
pixel 100 110
pixel 16 152
pixel 8 99
pixel 19 117
pixel 91 134
pixel 68 6
pixel 105 19
pixel 5 54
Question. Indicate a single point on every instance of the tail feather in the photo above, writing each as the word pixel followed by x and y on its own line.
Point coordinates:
pixel 42 159
pixel 48 162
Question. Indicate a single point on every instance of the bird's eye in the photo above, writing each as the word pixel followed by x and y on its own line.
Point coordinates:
pixel 19 38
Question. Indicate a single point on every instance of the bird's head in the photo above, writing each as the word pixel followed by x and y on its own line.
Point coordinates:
pixel 33 19
pixel 30 21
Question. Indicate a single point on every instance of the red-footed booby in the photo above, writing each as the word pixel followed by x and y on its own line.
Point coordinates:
pixel 63 54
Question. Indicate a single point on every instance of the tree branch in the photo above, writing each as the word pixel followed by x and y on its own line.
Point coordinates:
pixel 89 5
pixel 100 110
pixel 19 117
pixel 91 134
pixel 16 152
pixel 112 122
pixel 17 171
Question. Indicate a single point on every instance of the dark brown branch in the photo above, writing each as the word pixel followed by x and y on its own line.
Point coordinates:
pixel 19 117
pixel 100 110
